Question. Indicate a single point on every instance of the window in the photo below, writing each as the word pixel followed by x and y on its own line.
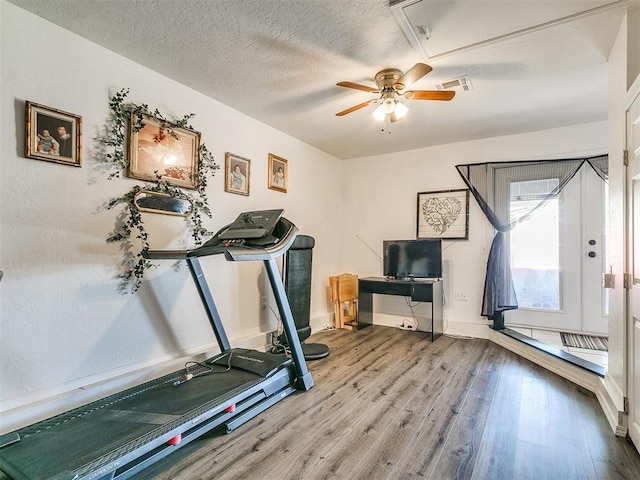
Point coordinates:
pixel 534 244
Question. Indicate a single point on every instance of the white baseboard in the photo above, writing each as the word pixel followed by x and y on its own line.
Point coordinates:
pixel 634 430
pixel 460 328
pixel 574 374
pixel 387 319
pixel 321 322
pixel 467 328
pixel 611 400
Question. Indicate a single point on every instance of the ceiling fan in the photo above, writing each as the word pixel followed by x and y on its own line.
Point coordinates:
pixel 392 84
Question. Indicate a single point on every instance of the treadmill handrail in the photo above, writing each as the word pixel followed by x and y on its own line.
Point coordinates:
pixel 232 252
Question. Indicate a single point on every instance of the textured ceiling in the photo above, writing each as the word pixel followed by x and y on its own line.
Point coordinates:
pixel 278 61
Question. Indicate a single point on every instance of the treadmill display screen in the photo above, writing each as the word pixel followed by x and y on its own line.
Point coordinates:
pixel 252 225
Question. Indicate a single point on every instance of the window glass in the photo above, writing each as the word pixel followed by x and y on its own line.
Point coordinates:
pixel 534 245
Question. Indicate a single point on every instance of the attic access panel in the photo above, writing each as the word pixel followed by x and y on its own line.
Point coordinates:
pixel 436 28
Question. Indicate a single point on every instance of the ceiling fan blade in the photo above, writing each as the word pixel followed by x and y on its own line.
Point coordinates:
pixel 414 74
pixel 353 109
pixel 357 86
pixel 429 94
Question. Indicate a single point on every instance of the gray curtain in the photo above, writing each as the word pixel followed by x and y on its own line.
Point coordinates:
pixel 490 185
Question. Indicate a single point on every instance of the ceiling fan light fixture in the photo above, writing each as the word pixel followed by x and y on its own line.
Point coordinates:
pixel 379 114
pixel 400 110
pixel 388 105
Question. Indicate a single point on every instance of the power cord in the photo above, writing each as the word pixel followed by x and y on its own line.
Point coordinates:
pixel 208 369
pixel 278 346
pixel 409 323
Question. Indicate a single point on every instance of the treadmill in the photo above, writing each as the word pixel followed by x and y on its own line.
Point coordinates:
pixel 119 435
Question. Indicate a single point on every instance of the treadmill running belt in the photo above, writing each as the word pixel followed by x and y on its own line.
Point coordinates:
pixel 105 431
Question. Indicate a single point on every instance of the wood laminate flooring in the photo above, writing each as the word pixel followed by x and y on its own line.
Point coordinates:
pixel 389 404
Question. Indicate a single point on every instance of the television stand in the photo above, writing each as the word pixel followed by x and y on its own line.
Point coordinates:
pixel 429 292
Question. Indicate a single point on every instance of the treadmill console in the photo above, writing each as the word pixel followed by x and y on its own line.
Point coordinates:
pixel 252 225
pixel 253 235
pixel 252 229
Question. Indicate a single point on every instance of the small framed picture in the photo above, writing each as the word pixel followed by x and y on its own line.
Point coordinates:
pixel 161 149
pixel 236 176
pixel 53 135
pixel 443 214
pixel 278 173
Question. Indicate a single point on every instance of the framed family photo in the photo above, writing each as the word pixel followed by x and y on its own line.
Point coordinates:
pixel 443 214
pixel 236 174
pixel 158 149
pixel 53 135
pixel 278 173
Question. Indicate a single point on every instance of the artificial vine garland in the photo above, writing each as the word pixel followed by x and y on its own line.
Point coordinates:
pixel 129 220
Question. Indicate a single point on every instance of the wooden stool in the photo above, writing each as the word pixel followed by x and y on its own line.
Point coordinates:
pixel 344 295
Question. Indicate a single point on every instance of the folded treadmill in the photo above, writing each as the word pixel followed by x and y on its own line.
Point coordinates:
pixel 119 435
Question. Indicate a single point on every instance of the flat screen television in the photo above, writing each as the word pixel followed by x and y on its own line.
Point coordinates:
pixel 412 259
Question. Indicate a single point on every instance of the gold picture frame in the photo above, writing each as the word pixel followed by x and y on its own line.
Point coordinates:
pixel 160 148
pixel 278 173
pixel 237 174
pixel 53 135
pixel 443 214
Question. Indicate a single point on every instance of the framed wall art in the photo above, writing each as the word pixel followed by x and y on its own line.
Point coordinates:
pixel 162 149
pixel 278 173
pixel 443 214
pixel 53 135
pixel 237 174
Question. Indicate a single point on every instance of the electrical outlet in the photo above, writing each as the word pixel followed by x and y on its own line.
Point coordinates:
pixel 461 296
pixel 264 302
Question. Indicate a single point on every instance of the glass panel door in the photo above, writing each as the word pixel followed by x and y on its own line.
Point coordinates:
pixel 557 255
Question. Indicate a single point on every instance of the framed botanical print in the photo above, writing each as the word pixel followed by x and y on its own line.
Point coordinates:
pixel 53 135
pixel 443 214
pixel 163 150
pixel 278 173
pixel 236 174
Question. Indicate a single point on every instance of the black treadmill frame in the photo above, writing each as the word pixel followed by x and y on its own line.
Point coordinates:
pixel 129 458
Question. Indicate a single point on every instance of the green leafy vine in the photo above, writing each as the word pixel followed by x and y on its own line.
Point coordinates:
pixel 129 221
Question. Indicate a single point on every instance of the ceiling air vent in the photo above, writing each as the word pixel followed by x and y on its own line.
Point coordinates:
pixel 461 83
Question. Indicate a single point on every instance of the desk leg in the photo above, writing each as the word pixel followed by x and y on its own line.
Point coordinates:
pixel 437 312
pixel 365 309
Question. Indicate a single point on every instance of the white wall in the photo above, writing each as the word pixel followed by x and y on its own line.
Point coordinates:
pixel 66 330
pixel 382 194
